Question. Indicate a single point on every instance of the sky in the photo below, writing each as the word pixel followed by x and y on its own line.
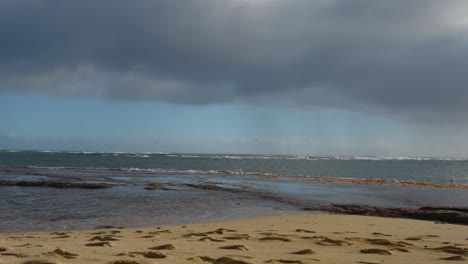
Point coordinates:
pixel 322 77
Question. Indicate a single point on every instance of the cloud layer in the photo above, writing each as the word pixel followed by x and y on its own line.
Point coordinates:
pixel 399 58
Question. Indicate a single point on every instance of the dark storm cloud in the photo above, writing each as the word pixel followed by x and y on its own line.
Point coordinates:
pixel 408 59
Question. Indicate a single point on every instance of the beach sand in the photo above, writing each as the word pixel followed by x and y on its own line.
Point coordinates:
pixel 278 239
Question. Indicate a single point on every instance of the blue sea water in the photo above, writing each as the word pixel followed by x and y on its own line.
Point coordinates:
pixel 250 189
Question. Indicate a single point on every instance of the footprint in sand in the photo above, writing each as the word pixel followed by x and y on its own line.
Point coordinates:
pixel 211 239
pixel 2 249
pixel 220 231
pixel 375 241
pixel 18 255
pixel 454 258
pixel 195 234
pixel 59 237
pixel 147 236
pixel 417 238
pixel 375 251
pixel 160 232
pixel 367 262
pixel 99 244
pixel 237 237
pixel 38 262
pixel 303 252
pixel 452 250
pixel 312 237
pixel 380 234
pixel 163 247
pixel 413 238
pixel 124 262
pixel 404 250
pixel 283 239
pixel 228 260
pixel 24 245
pixel 283 261
pixel 59 233
pixel 98 233
pixel 104 238
pixel 305 231
pixel 403 243
pixel 149 254
pixel 332 242
pixel 343 233
pixel 237 247
pixel 62 253
pixel 271 234
pixel 202 258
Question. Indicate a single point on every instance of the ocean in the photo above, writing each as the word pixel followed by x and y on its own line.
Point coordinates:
pixel 210 187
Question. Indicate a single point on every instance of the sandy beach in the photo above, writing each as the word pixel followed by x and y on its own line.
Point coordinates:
pixel 276 239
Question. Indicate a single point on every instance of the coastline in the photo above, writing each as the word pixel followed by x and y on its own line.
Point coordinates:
pixel 305 238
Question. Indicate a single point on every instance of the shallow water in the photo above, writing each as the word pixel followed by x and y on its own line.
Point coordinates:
pixel 244 194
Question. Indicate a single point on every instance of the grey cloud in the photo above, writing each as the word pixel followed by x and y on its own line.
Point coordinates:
pixel 405 59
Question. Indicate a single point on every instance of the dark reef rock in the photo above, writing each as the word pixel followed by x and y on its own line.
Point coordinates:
pixel 55 184
pixel 157 186
pixel 443 214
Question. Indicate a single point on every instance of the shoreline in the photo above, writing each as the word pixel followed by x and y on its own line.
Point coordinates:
pixel 292 238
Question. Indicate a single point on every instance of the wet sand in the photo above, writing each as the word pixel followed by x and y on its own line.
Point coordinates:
pixel 276 239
